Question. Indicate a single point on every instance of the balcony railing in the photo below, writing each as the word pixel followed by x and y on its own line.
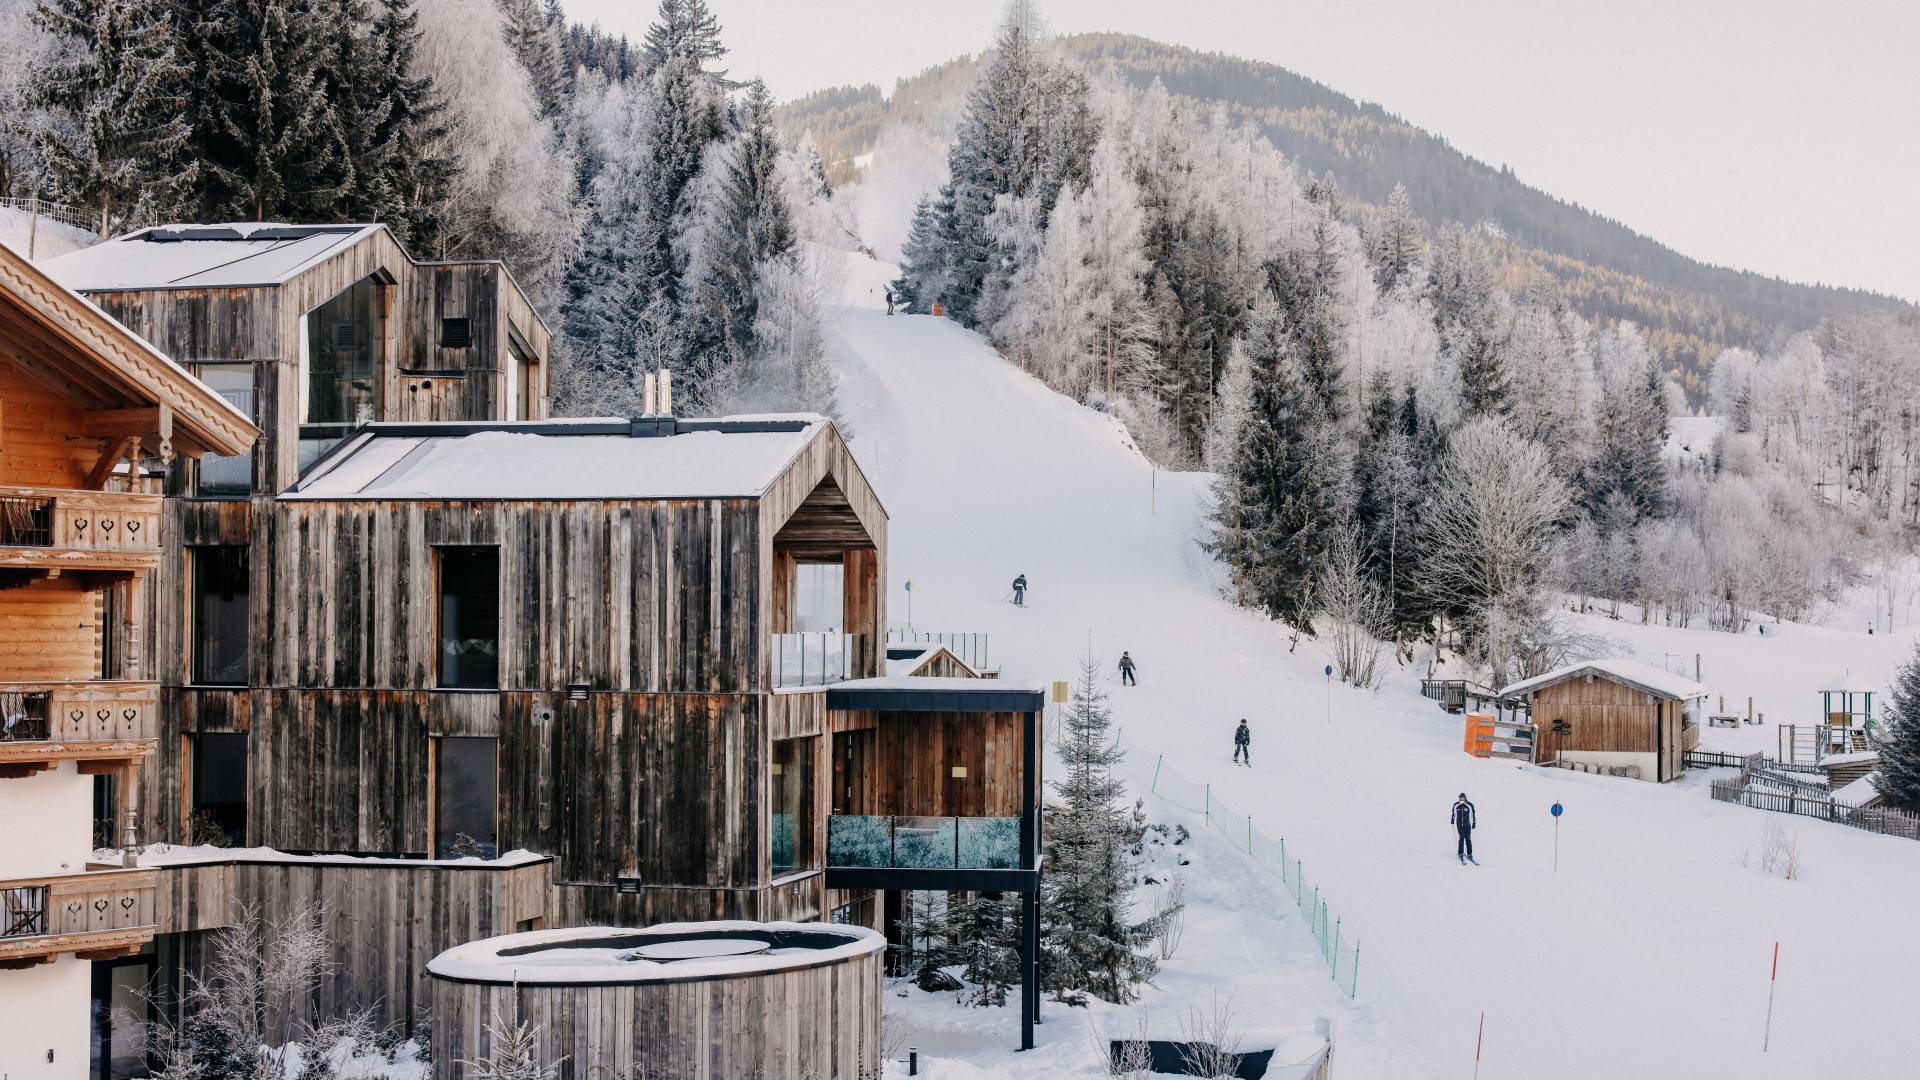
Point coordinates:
pixel 815 659
pixel 101 711
pixel 924 843
pixel 63 520
pixel 80 913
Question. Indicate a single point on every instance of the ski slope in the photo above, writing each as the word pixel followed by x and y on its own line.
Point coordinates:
pixel 1645 954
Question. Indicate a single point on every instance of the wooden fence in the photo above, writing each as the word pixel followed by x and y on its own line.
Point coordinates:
pixel 1807 800
pixel 1715 759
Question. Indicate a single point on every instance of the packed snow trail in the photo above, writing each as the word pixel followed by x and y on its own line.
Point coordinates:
pixel 1645 954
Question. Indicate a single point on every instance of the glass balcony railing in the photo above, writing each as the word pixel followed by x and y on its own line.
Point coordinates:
pixel 924 843
pixel 814 659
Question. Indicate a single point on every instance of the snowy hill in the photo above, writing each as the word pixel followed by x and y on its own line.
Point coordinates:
pixel 48 238
pixel 1645 954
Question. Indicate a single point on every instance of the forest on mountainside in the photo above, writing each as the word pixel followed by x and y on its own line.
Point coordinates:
pixel 1606 270
pixel 644 200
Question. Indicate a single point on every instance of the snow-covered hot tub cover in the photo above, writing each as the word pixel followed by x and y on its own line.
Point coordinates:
pixel 603 955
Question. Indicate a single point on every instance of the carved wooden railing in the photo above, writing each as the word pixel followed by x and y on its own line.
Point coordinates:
pixel 99 711
pixel 69 519
pixel 88 913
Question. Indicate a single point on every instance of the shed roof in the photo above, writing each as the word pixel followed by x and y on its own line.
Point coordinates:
pixel 1633 673
pixel 562 460
pixel 204 256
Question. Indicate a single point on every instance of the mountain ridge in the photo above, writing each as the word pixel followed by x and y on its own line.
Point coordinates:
pixel 1690 308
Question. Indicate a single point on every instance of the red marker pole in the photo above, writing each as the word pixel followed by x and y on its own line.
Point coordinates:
pixel 1479 1039
pixel 1772 980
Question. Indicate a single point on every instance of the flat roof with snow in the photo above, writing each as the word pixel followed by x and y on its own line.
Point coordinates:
pixel 647 458
pixel 203 256
pixel 1633 673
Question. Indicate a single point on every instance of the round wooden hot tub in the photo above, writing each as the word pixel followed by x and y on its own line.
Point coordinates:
pixel 701 1001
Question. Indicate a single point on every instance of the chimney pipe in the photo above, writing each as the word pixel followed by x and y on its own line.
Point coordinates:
pixel 666 392
pixel 648 398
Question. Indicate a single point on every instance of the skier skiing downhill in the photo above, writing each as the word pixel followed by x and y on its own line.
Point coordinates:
pixel 1242 755
pixel 1126 669
pixel 1020 591
pixel 1463 824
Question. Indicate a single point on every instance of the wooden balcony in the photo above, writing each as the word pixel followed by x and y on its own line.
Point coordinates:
pixel 61 529
pixel 94 916
pixel 104 725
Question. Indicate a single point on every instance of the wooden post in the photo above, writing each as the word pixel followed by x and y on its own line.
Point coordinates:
pixel 1773 979
pixel 1479 1040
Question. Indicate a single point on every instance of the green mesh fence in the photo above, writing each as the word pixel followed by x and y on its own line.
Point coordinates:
pixel 1339 946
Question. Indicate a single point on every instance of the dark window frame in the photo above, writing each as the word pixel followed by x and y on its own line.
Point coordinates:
pixel 467 659
pixel 790 792
pixel 234 635
pixel 457 777
pixel 229 813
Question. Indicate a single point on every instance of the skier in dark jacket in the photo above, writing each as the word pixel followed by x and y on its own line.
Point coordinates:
pixel 1463 824
pixel 889 301
pixel 1020 591
pixel 1126 669
pixel 1241 738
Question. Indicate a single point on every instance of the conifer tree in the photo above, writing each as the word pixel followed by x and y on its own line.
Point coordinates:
pixel 985 931
pixel 1304 283
pixel 1278 494
pixel 1088 944
pixel 1898 776
pixel 1466 312
pixel 925 270
pixel 1398 244
pixel 123 146
pixel 535 39
pixel 408 188
pixel 684 28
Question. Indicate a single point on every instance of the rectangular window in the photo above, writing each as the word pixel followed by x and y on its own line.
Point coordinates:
pixel 526 381
pixel 790 805
pixel 346 339
pixel 470 617
pixel 219 789
pixel 218 475
pixel 220 635
pixel 466 798
pixel 819 601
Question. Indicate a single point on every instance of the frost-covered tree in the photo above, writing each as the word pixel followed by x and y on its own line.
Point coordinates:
pixel 926 273
pixel 535 40
pixel 1491 524
pixel 1466 309
pixel 1398 243
pixel 985 932
pixel 684 28
pixel 118 135
pixel 237 1019
pixel 1089 945
pixel 1626 479
pixel 513 1053
pixel 1898 776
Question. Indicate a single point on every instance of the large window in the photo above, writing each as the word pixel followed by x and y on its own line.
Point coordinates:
pixel 819 597
pixel 790 805
pixel 466 798
pixel 219 789
pixel 220 634
pixel 228 475
pixel 346 343
pixel 470 617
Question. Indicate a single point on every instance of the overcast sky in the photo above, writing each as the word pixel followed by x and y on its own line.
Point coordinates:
pixel 1772 135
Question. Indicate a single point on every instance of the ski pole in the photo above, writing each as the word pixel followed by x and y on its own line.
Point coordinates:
pixel 1479 1039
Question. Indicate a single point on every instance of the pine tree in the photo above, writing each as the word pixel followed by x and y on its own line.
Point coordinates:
pixel 1898 776
pixel 1466 312
pixel 1088 944
pixel 684 28
pixel 535 39
pixel 1279 493
pixel 750 227
pixel 1397 246
pixel 269 139
pixel 925 271
pixel 408 186
pixel 1304 284
pixel 985 930
pixel 123 144
pixel 1628 470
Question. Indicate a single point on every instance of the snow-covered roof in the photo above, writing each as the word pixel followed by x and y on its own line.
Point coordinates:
pixel 943 683
pixel 604 954
pixel 208 854
pixel 562 460
pixel 1640 676
pixel 1861 792
pixel 203 256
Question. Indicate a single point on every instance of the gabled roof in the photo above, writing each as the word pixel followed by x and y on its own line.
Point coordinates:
pixel 1633 673
pixel 94 358
pixel 204 256
pixel 646 458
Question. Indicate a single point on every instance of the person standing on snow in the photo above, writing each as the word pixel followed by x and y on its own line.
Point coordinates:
pixel 1020 591
pixel 889 301
pixel 1463 824
pixel 1242 737
pixel 1126 669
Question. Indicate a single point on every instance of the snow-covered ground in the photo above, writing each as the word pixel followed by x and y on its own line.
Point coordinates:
pixel 1645 954
pixel 48 238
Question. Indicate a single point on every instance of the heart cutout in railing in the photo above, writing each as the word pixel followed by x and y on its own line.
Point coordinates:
pixel 103 715
pixel 133 526
pixel 80 525
pixel 107 524
pixel 127 902
pixel 100 905
pixel 76 715
pixel 74 908
pixel 129 714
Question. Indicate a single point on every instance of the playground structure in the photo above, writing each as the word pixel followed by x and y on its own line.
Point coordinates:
pixel 1846 727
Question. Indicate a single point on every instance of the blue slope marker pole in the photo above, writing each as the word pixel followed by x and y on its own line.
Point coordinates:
pixel 1557 808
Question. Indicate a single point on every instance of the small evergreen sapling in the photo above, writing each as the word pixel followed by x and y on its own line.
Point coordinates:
pixel 1898 741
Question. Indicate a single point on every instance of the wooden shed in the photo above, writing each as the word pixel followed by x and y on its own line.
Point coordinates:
pixel 1614 714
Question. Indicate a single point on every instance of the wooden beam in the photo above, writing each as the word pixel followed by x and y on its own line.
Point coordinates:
pixel 21 770
pixel 106 954
pixel 21 963
pixel 103 468
pixel 157 420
